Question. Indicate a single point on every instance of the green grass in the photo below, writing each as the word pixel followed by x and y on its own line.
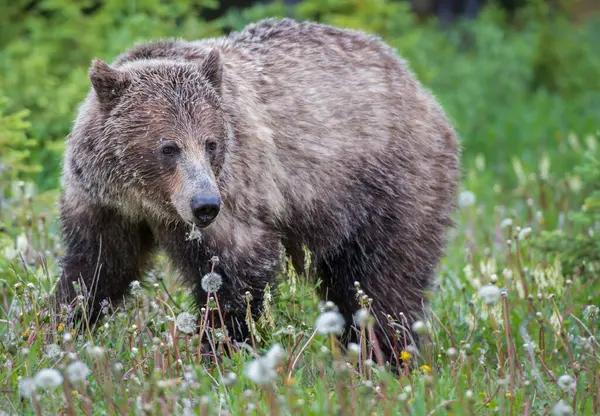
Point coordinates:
pixel 524 97
pixel 530 348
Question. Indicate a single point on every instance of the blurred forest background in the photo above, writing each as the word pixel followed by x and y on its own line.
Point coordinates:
pixel 521 81
pixel 516 76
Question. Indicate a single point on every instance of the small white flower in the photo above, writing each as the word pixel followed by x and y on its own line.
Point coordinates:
pixel 48 378
pixel 562 409
pixel 419 327
pixel 136 288
pixel 77 371
pixel 275 354
pixel 524 233
pixel 506 222
pixel 260 371
pixel 211 282
pixel 95 351
pixel 26 388
pixel 186 322
pixel 330 323
pixel 52 351
pixel 263 369
pixel 362 317
pixel 490 294
pixel 67 337
pixel 466 199
pixel 353 349
pixel 566 382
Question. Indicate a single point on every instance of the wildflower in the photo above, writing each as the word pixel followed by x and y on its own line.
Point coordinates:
pixel 95 351
pixel 48 378
pixel 330 323
pixel 561 409
pixel 419 327
pixel 507 222
pixel 136 288
pixel 425 368
pixel 263 369
pixel 565 382
pixel 53 351
pixel 405 356
pixel 489 293
pixel 590 312
pixel 211 282
pixel 67 338
pixel 466 199
pixel 61 327
pixel 353 349
pixel 77 371
pixel 26 388
pixel 363 317
pixel 451 352
pixel 524 233
pixel 186 322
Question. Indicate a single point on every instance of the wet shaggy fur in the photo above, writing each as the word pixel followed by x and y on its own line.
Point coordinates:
pixel 321 136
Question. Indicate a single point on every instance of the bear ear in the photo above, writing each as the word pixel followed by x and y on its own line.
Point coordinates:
pixel 108 83
pixel 212 69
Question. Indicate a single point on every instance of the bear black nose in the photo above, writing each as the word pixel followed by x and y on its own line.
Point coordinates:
pixel 205 208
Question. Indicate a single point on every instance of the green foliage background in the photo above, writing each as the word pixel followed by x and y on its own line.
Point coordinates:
pixel 510 86
pixel 524 93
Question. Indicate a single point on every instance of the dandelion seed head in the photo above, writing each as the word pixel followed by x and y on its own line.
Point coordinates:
pixel 77 371
pixel 95 351
pixel 186 322
pixel 136 288
pixel 48 378
pixel 566 382
pixel 26 388
pixel 330 323
pixel 466 199
pixel 362 317
pixel 211 282
pixel 561 409
pixel 419 327
pixel 52 351
pixel 524 233
pixel 489 293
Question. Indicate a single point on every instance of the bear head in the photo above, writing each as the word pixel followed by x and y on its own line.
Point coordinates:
pixel 157 135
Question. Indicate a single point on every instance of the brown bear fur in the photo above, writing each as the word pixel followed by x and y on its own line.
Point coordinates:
pixel 323 137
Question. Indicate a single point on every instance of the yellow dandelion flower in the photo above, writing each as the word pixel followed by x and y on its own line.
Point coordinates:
pixel 25 334
pixel 508 395
pixel 425 368
pixel 405 356
pixel 61 327
pixel 75 392
pixel 411 400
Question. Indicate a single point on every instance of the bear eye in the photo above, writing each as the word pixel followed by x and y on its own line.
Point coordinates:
pixel 169 149
pixel 211 146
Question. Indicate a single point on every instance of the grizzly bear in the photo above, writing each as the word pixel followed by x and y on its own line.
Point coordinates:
pixel 281 136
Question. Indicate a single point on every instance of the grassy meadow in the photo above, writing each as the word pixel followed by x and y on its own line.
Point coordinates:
pixel 515 317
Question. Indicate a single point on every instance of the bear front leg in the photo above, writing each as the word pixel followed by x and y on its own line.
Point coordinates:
pixel 248 259
pixel 105 252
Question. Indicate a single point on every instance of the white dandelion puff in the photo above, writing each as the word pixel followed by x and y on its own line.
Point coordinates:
pixel 566 382
pixel 524 233
pixel 136 288
pixel 48 378
pixel 330 323
pixel 466 199
pixel 362 317
pixel 26 388
pixel 561 409
pixel 263 370
pixel 419 327
pixel 77 371
pixel 211 282
pixel 95 351
pixel 186 322
pixel 489 293
pixel 52 351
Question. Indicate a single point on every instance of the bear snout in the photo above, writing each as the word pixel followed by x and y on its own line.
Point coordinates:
pixel 205 208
